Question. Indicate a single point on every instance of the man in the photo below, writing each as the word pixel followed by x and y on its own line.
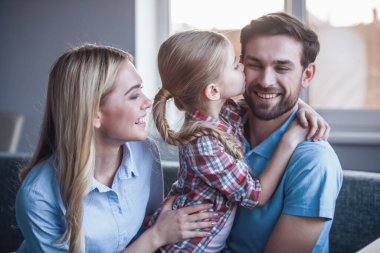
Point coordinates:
pixel 278 53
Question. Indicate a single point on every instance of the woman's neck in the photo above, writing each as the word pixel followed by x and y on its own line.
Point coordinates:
pixel 107 162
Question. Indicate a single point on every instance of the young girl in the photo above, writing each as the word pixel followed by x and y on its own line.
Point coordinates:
pixel 200 72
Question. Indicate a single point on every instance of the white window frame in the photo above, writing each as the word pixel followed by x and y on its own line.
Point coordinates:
pixel 152 28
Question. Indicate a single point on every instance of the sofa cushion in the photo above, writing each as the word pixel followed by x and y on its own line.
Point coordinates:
pixel 357 213
pixel 10 233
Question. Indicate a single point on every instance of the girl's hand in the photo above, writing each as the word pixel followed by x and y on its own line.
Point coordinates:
pixel 294 135
pixel 176 225
pixel 319 129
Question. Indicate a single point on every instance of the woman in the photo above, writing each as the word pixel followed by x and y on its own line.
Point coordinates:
pixel 94 176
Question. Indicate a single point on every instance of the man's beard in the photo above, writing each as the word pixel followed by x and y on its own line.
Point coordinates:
pixel 263 111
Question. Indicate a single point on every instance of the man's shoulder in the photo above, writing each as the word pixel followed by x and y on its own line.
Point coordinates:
pixel 315 151
pixel 319 156
pixel 314 177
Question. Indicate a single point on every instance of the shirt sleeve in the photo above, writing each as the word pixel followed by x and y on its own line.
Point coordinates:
pixel 40 221
pixel 210 161
pixel 313 182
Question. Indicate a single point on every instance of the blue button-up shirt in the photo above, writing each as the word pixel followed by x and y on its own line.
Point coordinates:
pixel 112 215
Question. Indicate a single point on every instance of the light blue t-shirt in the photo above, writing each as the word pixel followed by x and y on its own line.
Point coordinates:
pixel 112 216
pixel 309 187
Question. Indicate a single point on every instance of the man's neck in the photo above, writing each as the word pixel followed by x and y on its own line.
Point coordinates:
pixel 259 130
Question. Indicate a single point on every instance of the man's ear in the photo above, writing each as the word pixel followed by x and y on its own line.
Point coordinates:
pixel 212 92
pixel 97 119
pixel 308 75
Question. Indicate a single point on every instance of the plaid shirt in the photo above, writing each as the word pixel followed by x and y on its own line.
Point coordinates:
pixel 208 174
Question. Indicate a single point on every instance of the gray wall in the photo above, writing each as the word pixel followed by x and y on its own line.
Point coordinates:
pixel 34 33
pixel 355 137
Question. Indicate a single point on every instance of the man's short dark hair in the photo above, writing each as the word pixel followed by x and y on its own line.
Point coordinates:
pixel 280 23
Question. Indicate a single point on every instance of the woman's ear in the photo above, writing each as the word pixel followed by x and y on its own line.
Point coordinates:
pixel 212 92
pixel 97 119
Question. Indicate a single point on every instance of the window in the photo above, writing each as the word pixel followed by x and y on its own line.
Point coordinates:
pixel 346 88
pixel 224 16
pixel 218 14
pixel 348 74
pixel 348 67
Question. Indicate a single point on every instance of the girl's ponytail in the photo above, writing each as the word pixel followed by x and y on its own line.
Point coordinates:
pixel 159 116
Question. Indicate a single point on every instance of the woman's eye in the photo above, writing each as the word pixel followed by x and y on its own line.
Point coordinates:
pixel 134 96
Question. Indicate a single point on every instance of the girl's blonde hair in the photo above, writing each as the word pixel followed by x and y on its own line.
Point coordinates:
pixel 78 82
pixel 187 62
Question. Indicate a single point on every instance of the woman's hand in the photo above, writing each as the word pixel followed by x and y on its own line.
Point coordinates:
pixel 319 129
pixel 173 226
pixel 176 225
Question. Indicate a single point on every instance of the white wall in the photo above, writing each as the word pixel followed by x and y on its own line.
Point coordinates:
pixel 34 33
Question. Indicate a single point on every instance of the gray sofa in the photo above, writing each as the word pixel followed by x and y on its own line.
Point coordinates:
pixel 356 223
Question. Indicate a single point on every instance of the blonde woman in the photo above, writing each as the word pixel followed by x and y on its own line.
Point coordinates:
pixel 200 72
pixel 94 175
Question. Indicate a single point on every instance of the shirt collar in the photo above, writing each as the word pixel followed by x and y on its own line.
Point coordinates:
pixel 195 115
pixel 127 169
pixel 97 186
pixel 268 146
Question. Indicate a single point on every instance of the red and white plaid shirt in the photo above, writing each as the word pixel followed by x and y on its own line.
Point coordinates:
pixel 209 174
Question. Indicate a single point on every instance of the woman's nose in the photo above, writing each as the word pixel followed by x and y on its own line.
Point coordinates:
pixel 147 103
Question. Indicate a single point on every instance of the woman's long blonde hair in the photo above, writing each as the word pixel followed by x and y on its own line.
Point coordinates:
pixel 78 81
pixel 187 62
